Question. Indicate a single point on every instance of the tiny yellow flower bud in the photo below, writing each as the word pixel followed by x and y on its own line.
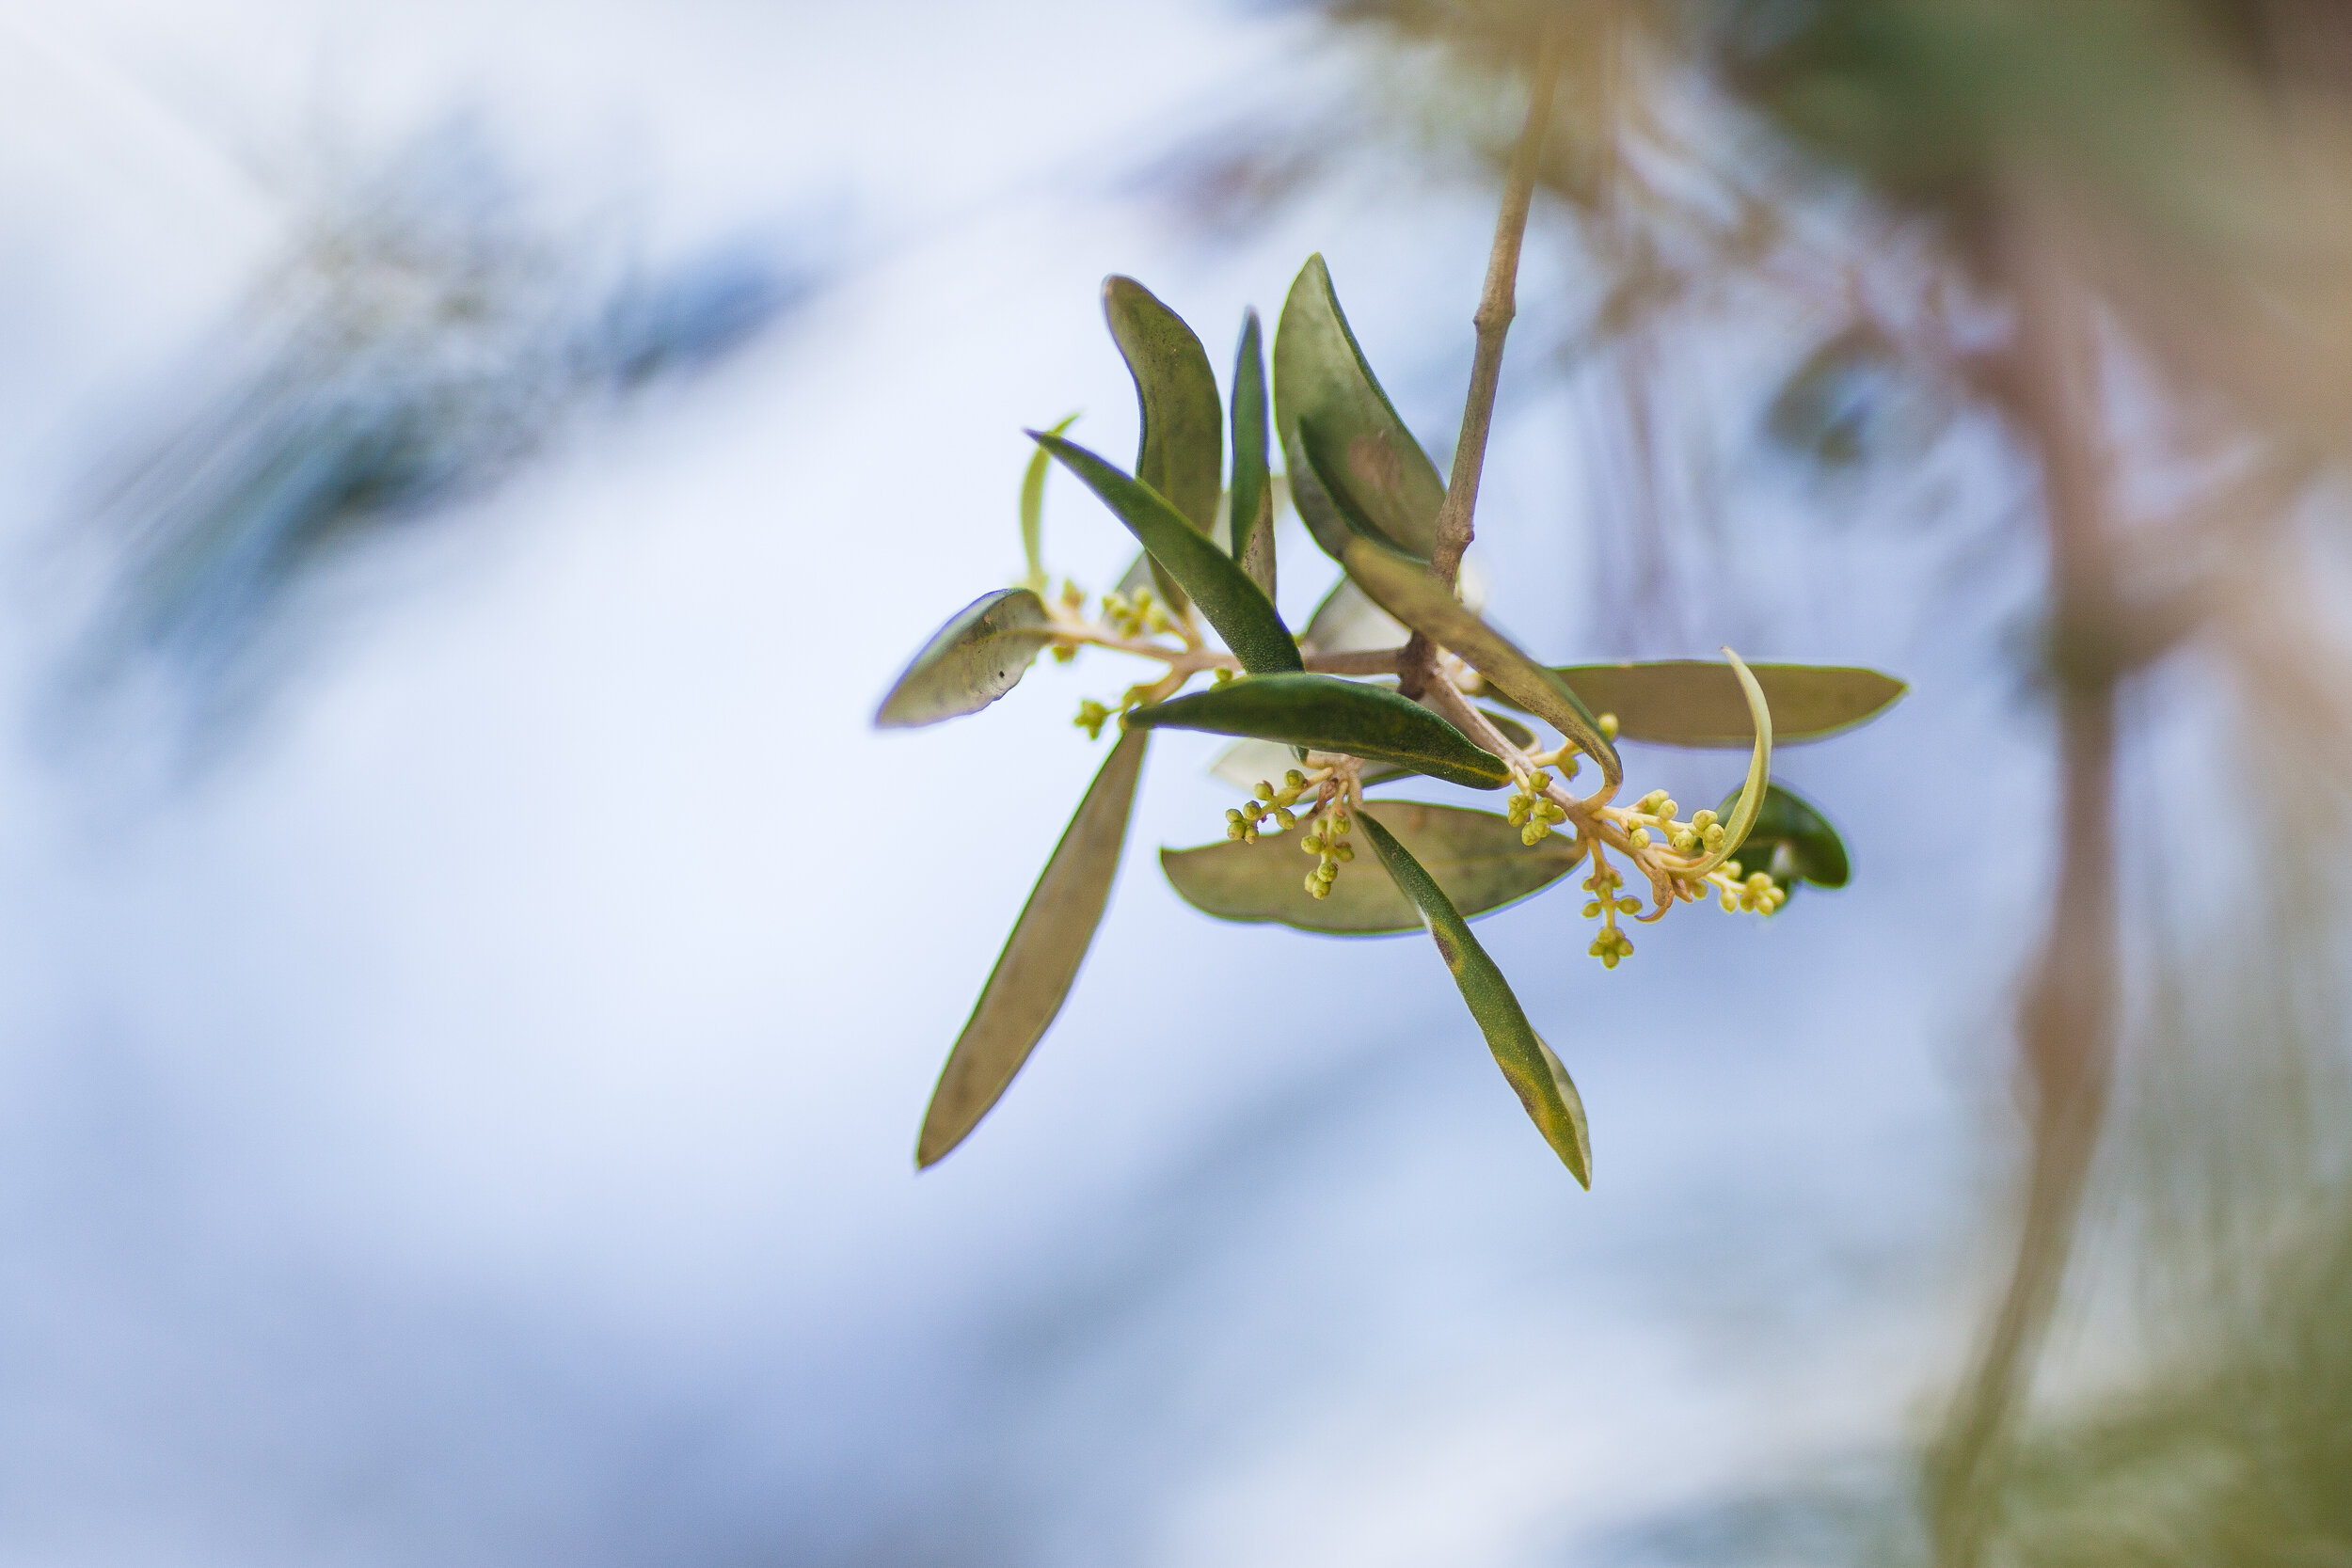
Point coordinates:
pixel 1534 833
pixel 1683 841
pixel 1713 837
pixel 1065 652
pixel 1516 812
pixel 1609 726
pixel 1312 844
pixel 1293 780
pixel 1234 829
pixel 1731 903
pixel 1249 832
pixel 1640 836
pixel 1284 820
pixel 1667 809
pixel 1220 676
pixel 1551 811
pixel 1340 822
pixel 1345 851
pixel 1592 908
pixel 1703 820
pixel 1264 791
pixel 1628 906
pixel 1319 888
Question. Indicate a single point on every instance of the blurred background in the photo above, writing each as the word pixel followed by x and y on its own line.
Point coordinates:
pixel 473 974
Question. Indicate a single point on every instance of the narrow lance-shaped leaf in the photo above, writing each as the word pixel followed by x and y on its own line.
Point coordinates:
pixel 1252 506
pixel 1693 701
pixel 971 661
pixel 1181 454
pixel 1033 511
pixel 1422 602
pixel 1328 714
pixel 1320 374
pixel 1242 614
pixel 1533 1072
pixel 1476 856
pixel 1245 762
pixel 1033 976
pixel 1751 800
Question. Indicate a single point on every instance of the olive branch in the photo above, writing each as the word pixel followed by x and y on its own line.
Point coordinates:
pixel 1333 719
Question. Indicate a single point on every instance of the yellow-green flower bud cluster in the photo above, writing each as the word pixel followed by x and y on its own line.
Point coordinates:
pixel 1327 839
pixel 1531 813
pixel 1756 894
pixel 1611 945
pixel 1242 822
pixel 1701 836
pixel 1134 614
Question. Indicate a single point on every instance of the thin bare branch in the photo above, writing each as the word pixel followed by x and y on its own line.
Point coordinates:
pixel 1497 304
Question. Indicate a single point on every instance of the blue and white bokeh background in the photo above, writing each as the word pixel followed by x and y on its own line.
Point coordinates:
pixel 468 1118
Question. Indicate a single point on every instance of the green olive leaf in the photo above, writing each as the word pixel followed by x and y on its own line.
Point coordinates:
pixel 1693 701
pixel 1533 1072
pixel 1239 610
pixel 1792 840
pixel 1245 762
pixel 1320 376
pixel 1251 498
pixel 1040 959
pixel 1388 772
pixel 971 661
pixel 1328 714
pixel 1422 602
pixel 1182 454
pixel 1476 856
pixel 1033 512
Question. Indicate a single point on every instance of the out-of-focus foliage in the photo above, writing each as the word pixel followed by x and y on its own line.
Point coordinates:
pixel 2115 233
pixel 430 329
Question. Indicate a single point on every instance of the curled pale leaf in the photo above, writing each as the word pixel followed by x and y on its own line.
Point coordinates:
pixel 1533 1072
pixel 977 657
pixel 1033 511
pixel 1034 974
pixel 1751 800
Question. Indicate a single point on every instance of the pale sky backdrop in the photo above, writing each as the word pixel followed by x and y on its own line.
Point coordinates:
pixel 470 1123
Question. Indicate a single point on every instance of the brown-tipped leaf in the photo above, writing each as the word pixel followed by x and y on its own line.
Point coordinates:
pixel 1040 959
pixel 1320 375
pixel 1527 1063
pixel 1427 606
pixel 1476 857
pixel 1239 610
pixel 1692 702
pixel 1182 454
pixel 1327 714
pixel 971 661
